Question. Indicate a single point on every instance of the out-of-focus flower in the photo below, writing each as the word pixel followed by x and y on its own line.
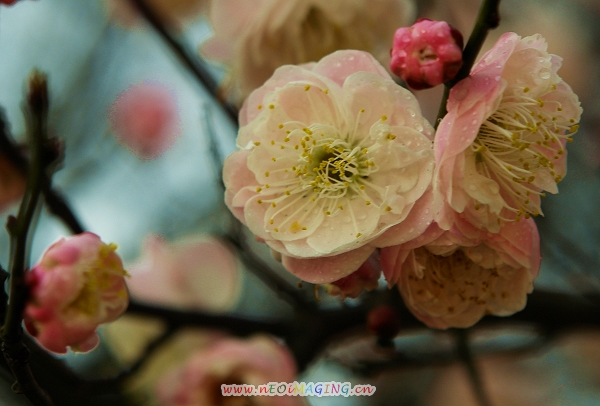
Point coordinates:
pixel 173 12
pixel 254 38
pixel 145 120
pixel 255 361
pixel 332 156
pixel 454 280
pixel 8 2
pixel 194 272
pixel 12 184
pixel 426 54
pixel 77 285
pixel 366 277
pixel 503 140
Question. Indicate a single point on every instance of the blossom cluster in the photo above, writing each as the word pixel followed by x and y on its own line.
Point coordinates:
pixel 337 165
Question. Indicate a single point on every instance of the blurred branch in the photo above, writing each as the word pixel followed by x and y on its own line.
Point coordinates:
pixel 463 349
pixel 55 202
pixel 488 18
pixel 189 59
pixel 239 326
pixel 263 271
pixel 15 352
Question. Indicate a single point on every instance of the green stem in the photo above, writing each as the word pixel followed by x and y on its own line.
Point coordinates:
pixel 488 18
pixel 15 352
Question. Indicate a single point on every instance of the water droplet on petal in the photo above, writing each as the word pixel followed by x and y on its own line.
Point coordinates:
pixel 418 127
pixel 411 112
pixel 545 74
pixel 472 187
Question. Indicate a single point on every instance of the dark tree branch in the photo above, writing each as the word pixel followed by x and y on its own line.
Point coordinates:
pixel 189 59
pixel 488 18
pixel 463 349
pixel 55 202
pixel 15 352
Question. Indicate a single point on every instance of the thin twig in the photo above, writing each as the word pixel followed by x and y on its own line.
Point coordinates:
pixel 488 18
pixel 55 202
pixel 290 294
pixel 464 353
pixel 15 352
pixel 190 60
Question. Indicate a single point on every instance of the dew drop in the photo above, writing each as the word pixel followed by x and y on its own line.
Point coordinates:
pixel 474 122
pixel 411 230
pixel 411 112
pixel 472 187
pixel 544 74
pixel 418 127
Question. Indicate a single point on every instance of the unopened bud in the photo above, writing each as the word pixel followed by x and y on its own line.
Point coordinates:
pixel 426 54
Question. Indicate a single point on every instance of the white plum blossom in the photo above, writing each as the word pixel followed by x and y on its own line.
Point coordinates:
pixel 332 155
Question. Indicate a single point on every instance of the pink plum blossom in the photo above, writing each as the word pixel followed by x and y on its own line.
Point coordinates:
pixel 462 274
pixel 255 361
pixel 145 120
pixel 253 38
pixel 12 184
pixel 193 272
pixel 503 140
pixel 426 54
pixel 335 160
pixel 77 285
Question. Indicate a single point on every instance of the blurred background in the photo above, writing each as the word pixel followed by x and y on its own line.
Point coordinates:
pixel 93 53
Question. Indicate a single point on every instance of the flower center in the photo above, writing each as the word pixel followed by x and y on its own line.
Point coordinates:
pixel 451 281
pixel 519 143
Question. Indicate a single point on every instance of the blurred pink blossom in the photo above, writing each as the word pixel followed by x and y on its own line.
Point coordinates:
pixel 426 54
pixel 77 285
pixel 335 160
pixel 145 120
pixel 194 272
pixel 8 2
pixel 254 38
pixel 453 278
pixel 503 140
pixel 255 361
pixel 12 184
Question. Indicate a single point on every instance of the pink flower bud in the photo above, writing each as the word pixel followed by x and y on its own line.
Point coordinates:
pixel 365 277
pixel 145 120
pixel 77 285
pixel 384 322
pixel 426 54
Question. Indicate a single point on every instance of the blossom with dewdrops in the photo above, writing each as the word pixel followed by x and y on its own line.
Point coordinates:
pixel 502 143
pixel 77 285
pixel 332 155
pixel 253 38
pixel 454 279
